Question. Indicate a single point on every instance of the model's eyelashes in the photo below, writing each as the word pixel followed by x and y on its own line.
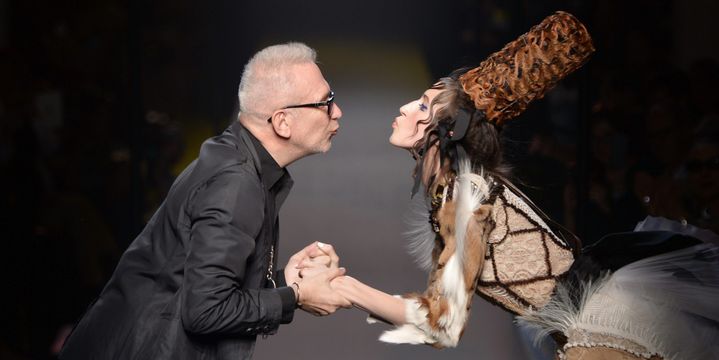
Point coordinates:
pixel 422 107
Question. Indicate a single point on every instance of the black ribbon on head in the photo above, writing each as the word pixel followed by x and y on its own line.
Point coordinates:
pixel 450 148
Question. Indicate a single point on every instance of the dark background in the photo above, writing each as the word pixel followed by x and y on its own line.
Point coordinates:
pixel 103 102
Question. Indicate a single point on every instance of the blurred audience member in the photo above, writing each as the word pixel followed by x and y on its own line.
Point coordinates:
pixel 702 193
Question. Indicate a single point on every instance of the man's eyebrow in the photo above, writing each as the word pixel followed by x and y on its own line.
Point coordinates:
pixel 327 95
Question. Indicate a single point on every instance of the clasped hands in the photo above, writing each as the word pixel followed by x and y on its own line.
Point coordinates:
pixel 311 272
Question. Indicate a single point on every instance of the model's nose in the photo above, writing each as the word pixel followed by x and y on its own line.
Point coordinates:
pixel 403 109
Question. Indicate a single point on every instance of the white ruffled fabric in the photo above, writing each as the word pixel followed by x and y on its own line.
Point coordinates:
pixel 668 303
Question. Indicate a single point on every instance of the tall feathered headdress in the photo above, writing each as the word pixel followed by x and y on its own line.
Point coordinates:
pixel 525 69
pixel 504 84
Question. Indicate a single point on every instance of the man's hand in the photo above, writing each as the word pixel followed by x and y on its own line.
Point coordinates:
pixel 315 294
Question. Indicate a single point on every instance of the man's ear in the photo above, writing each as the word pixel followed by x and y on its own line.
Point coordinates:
pixel 281 124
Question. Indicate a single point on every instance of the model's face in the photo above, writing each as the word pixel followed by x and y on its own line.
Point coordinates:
pixel 409 126
pixel 313 128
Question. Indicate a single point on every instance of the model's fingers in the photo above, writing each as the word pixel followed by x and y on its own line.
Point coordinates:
pixel 329 250
pixel 317 249
pixel 295 258
pixel 318 262
pixel 310 272
pixel 311 250
pixel 333 273
pixel 323 260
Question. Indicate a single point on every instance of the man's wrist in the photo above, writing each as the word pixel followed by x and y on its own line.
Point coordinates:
pixel 281 278
pixel 287 296
pixel 296 288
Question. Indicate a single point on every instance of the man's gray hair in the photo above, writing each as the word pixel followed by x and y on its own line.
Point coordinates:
pixel 266 78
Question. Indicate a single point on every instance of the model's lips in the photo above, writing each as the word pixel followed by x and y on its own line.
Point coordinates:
pixel 394 124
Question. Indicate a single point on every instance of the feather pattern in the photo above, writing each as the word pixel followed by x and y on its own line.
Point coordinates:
pixel 666 304
pixel 419 235
pixel 470 191
pixel 453 321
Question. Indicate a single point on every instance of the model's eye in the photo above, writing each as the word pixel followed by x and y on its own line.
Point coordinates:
pixel 422 107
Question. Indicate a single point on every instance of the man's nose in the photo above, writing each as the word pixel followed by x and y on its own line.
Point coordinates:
pixel 336 112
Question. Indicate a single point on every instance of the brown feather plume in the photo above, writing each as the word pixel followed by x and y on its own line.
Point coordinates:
pixel 525 69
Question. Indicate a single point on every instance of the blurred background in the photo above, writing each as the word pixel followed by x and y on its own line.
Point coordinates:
pixel 103 102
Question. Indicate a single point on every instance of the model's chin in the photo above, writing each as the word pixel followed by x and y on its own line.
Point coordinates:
pixel 393 140
pixel 400 144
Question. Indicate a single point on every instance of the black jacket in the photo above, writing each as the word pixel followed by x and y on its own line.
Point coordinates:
pixel 193 284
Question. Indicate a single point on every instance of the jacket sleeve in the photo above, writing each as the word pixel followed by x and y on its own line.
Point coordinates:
pixel 226 215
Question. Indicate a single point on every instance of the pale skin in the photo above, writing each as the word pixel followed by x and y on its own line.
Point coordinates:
pixel 313 291
pixel 296 132
pixel 407 129
pixel 288 136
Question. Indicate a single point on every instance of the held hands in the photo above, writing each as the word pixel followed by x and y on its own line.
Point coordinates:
pixel 310 272
pixel 317 256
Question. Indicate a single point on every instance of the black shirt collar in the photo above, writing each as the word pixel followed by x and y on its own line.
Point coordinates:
pixel 271 171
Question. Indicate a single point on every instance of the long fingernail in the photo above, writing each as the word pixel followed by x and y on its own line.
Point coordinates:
pixel 320 245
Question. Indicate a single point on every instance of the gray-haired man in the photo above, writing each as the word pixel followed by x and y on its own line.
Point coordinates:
pixel 201 281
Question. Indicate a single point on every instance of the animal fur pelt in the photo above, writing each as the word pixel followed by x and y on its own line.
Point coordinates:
pixel 490 242
pixel 438 316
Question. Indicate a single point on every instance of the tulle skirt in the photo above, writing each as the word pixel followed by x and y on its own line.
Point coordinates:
pixel 665 305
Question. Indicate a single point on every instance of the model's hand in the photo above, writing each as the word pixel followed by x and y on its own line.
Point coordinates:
pixel 292 269
pixel 311 266
pixel 342 283
pixel 347 287
pixel 316 295
pixel 324 254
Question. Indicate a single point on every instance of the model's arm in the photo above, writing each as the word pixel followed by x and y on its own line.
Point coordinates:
pixel 375 302
pixel 437 316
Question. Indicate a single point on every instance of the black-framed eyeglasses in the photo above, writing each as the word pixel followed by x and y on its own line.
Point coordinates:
pixel 329 103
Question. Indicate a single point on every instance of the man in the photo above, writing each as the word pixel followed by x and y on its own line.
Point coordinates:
pixel 200 281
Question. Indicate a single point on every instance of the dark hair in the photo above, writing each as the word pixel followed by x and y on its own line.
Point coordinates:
pixel 482 142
